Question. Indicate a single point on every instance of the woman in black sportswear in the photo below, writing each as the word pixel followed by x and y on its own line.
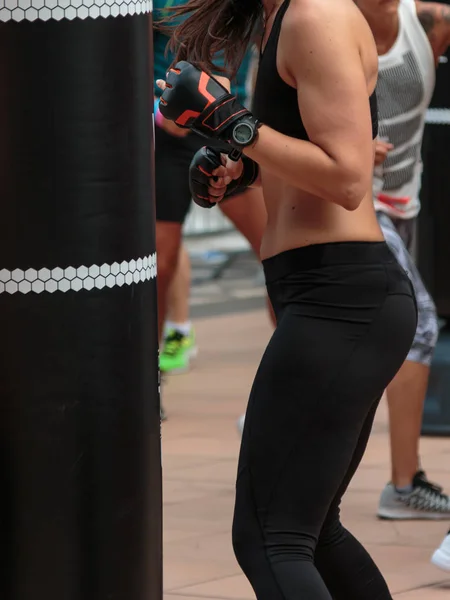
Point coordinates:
pixel 345 310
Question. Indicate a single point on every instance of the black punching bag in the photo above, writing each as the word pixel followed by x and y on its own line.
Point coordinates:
pixel 434 244
pixel 80 463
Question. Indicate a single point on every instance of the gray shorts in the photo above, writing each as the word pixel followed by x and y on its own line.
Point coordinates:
pixel 400 235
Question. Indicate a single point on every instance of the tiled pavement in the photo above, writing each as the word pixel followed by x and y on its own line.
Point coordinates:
pixel 226 276
pixel 200 449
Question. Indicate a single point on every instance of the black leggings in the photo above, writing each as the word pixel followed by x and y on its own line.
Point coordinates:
pixel 346 318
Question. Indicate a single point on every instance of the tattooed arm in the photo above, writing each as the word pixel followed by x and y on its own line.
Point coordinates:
pixel 435 19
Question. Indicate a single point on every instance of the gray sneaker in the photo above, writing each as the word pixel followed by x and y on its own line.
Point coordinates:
pixel 441 558
pixel 425 501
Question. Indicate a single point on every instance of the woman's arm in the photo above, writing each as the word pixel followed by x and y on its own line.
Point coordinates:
pixel 318 50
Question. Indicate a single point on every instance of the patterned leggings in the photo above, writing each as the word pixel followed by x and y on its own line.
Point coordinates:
pixel 400 234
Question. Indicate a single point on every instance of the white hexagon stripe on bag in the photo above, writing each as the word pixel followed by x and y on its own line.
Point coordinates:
pixel 44 10
pixel 78 278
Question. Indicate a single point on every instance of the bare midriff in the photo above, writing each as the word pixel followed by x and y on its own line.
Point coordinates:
pixel 295 219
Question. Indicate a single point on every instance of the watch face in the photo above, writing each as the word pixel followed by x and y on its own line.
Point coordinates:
pixel 243 133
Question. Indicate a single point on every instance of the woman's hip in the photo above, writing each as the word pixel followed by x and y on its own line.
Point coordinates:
pixel 344 281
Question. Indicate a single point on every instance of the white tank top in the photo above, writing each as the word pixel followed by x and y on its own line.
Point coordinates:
pixel 406 79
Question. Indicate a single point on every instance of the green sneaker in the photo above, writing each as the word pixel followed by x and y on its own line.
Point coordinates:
pixel 162 412
pixel 177 352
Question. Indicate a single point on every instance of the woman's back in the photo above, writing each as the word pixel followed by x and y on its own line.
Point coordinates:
pixel 297 217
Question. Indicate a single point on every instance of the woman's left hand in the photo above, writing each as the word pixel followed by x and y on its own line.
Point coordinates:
pixel 222 80
pixel 171 125
pixel 187 94
pixel 197 101
pixel 171 128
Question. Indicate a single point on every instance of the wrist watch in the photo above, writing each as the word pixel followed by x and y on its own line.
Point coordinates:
pixel 244 132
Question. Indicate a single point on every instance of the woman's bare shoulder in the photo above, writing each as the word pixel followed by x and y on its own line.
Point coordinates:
pixel 339 22
pixel 322 9
pixel 304 13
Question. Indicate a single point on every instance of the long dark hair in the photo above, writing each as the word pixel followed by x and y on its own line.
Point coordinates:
pixel 213 26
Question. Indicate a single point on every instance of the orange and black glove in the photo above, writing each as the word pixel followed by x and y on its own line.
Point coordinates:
pixel 205 161
pixel 195 100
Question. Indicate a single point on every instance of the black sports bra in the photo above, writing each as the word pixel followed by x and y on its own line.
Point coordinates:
pixel 271 91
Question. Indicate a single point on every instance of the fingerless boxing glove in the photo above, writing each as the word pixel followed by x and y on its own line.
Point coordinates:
pixel 195 100
pixel 205 161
